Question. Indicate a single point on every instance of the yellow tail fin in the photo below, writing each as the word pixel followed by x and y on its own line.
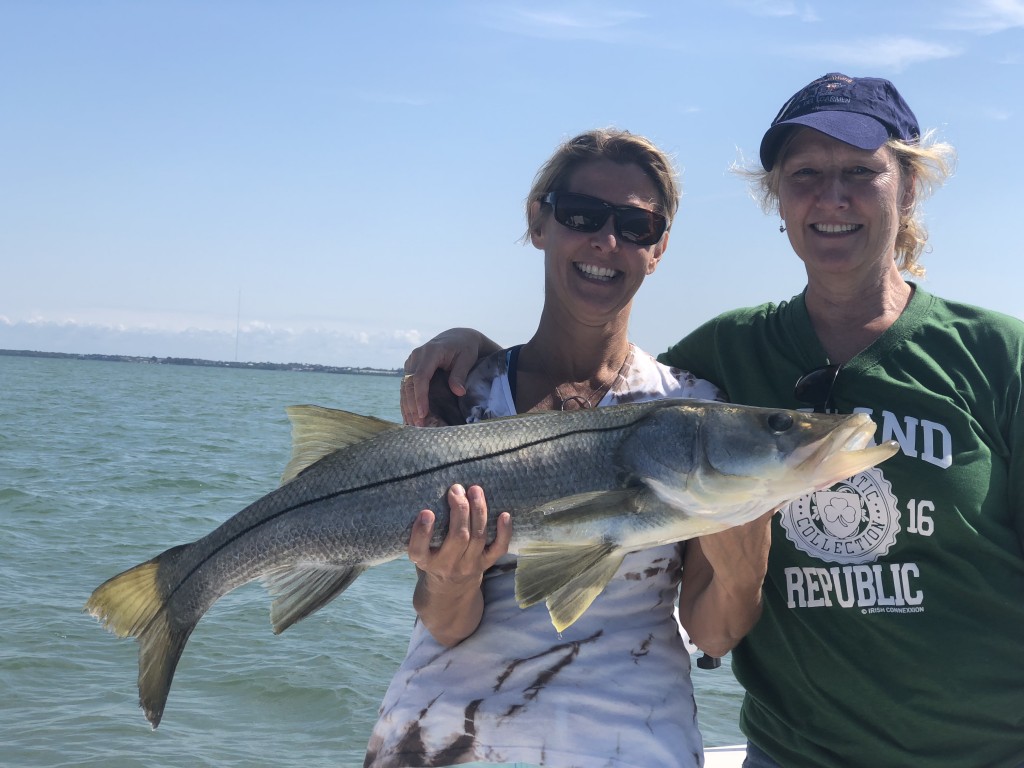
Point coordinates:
pixel 131 604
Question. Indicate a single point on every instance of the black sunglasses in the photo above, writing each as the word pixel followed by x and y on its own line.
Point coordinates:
pixel 815 387
pixel 584 213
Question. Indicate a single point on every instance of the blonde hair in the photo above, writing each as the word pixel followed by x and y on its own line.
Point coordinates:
pixel 927 162
pixel 612 144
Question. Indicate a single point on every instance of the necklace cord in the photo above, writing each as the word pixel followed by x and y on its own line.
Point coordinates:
pixel 597 394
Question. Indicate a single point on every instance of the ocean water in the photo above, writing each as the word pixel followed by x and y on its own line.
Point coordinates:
pixel 104 465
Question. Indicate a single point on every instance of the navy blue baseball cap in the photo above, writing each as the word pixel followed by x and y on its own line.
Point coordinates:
pixel 862 111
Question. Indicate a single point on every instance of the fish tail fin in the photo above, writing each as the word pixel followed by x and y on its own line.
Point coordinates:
pixel 567 577
pixel 160 647
pixel 128 602
pixel 134 604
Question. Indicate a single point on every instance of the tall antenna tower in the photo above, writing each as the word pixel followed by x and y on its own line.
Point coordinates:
pixel 238 322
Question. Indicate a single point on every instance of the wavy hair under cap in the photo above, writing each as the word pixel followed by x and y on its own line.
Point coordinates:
pixel 612 144
pixel 927 162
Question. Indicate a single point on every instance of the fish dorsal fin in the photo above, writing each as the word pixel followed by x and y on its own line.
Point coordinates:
pixel 318 431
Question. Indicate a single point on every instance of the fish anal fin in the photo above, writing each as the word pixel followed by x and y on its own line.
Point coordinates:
pixel 304 589
pixel 566 576
pixel 319 431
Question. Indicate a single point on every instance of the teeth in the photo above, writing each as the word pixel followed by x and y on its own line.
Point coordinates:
pixel 601 273
pixel 835 228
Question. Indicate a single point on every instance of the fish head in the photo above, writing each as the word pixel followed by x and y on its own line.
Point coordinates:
pixel 793 451
pixel 721 454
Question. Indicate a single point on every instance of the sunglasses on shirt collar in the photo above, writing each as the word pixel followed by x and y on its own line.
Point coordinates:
pixel 583 213
pixel 815 387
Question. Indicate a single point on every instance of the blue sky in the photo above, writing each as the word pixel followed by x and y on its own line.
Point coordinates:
pixel 335 182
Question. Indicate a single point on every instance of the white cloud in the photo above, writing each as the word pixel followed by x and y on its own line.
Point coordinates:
pixel 986 16
pixel 391 99
pixel 569 22
pixel 778 9
pixel 255 342
pixel 893 53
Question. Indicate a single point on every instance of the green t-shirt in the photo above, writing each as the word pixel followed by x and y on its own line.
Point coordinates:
pixel 893 624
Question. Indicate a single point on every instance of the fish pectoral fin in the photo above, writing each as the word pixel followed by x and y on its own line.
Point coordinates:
pixel 591 505
pixel 684 499
pixel 568 577
pixel 302 590
pixel 319 431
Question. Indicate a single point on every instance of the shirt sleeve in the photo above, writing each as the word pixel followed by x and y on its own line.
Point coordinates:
pixel 696 353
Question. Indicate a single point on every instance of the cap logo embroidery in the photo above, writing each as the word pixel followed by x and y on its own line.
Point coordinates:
pixel 822 92
pixel 858 111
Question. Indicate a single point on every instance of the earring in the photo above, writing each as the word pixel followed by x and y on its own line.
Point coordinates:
pixel 782 225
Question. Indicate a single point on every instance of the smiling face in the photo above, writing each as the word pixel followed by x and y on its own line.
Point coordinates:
pixel 593 276
pixel 841 204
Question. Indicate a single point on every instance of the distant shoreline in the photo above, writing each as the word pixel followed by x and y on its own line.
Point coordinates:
pixel 305 367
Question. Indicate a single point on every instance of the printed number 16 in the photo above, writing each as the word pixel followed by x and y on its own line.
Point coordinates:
pixel 920 521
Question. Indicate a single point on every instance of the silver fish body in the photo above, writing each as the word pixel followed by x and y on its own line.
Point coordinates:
pixel 584 488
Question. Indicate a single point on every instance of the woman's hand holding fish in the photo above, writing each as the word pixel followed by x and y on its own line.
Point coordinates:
pixel 456 351
pixel 448 598
pixel 720 599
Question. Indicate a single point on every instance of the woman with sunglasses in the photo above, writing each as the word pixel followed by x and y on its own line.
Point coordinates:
pixel 893 615
pixel 486 682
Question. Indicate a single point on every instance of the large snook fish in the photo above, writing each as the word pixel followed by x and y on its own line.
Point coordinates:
pixel 584 488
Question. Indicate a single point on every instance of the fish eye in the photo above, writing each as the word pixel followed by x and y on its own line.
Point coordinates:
pixel 780 422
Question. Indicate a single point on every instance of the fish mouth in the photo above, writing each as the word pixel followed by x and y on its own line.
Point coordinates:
pixel 846 451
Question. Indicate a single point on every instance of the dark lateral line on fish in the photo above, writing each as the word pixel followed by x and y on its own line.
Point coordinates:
pixel 520 447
